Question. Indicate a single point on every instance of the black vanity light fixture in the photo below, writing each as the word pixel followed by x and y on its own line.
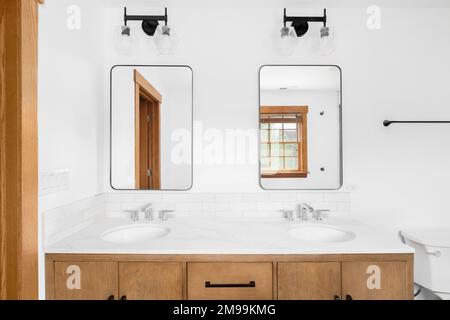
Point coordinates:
pixel 163 38
pixel 301 24
pixel 387 123
pixel 322 43
pixel 149 23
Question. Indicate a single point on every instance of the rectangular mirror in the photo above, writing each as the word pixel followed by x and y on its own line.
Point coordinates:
pixel 300 119
pixel 151 127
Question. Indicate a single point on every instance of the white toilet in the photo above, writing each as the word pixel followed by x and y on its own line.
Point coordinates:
pixel 432 259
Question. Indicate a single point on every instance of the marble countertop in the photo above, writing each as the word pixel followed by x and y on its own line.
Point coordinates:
pixel 230 236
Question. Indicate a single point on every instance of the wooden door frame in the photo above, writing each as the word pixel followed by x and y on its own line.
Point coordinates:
pixel 143 87
pixel 19 149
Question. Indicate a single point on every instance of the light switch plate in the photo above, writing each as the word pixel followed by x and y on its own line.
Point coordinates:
pixel 53 181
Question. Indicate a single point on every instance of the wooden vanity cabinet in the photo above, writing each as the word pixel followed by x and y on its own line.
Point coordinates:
pixel 230 277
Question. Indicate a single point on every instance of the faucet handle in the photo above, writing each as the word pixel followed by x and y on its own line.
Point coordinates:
pixel 318 215
pixel 134 214
pixel 288 214
pixel 163 214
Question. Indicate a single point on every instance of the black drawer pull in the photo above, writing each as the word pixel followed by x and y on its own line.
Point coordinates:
pixel 251 284
pixel 123 298
pixel 111 297
pixel 336 297
pixel 348 297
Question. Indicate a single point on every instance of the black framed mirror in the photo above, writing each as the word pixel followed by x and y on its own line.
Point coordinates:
pixel 151 127
pixel 300 123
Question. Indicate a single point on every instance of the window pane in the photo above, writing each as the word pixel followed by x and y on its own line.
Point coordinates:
pixel 265 164
pixel 290 126
pixel 291 149
pixel 264 126
pixel 276 150
pixel 290 135
pixel 275 135
pixel 264 135
pixel 264 150
pixel 291 163
pixel 276 125
pixel 276 163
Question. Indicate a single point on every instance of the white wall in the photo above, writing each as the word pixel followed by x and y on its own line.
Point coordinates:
pixel 175 86
pixel 398 175
pixel 323 137
pixel 71 96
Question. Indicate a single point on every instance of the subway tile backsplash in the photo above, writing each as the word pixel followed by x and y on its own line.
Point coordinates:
pixel 62 221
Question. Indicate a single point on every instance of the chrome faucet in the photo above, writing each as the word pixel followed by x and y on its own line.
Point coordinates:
pixel 148 212
pixel 303 211
pixel 164 214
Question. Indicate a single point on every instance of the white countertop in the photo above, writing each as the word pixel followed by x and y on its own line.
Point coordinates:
pixel 230 236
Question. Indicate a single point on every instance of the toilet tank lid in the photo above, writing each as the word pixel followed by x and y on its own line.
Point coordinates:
pixel 435 237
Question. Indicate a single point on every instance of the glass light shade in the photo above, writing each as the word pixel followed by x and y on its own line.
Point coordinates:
pixel 288 41
pixel 323 43
pixel 125 41
pixel 165 41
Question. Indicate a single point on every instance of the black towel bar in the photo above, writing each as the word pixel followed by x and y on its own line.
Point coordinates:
pixel 387 123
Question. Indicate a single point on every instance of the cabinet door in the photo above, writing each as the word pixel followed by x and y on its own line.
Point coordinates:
pixel 150 281
pixel 309 280
pixel 86 280
pixel 374 280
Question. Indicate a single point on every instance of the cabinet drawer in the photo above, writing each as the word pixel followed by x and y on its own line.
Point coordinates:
pixel 230 281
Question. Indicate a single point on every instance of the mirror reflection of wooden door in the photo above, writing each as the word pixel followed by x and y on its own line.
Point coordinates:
pixel 147 136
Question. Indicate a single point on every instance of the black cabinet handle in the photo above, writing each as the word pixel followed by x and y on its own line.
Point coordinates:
pixel 348 297
pixel 251 284
pixel 111 297
pixel 336 297
pixel 123 298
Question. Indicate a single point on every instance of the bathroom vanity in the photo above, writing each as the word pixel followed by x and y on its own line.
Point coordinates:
pixel 201 256
pixel 229 259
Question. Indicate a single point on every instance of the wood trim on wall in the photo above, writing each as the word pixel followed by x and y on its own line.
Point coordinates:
pixel 18 145
pixel 143 88
pixel 144 84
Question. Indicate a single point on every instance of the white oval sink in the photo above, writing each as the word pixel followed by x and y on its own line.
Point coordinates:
pixel 134 233
pixel 321 233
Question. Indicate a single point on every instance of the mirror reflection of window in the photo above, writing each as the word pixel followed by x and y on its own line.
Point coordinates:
pixel 284 151
pixel 300 118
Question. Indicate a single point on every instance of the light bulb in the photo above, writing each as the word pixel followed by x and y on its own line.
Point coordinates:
pixel 165 41
pixel 288 40
pixel 125 40
pixel 325 43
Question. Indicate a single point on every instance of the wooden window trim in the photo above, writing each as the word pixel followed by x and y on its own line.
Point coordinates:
pixel 303 156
